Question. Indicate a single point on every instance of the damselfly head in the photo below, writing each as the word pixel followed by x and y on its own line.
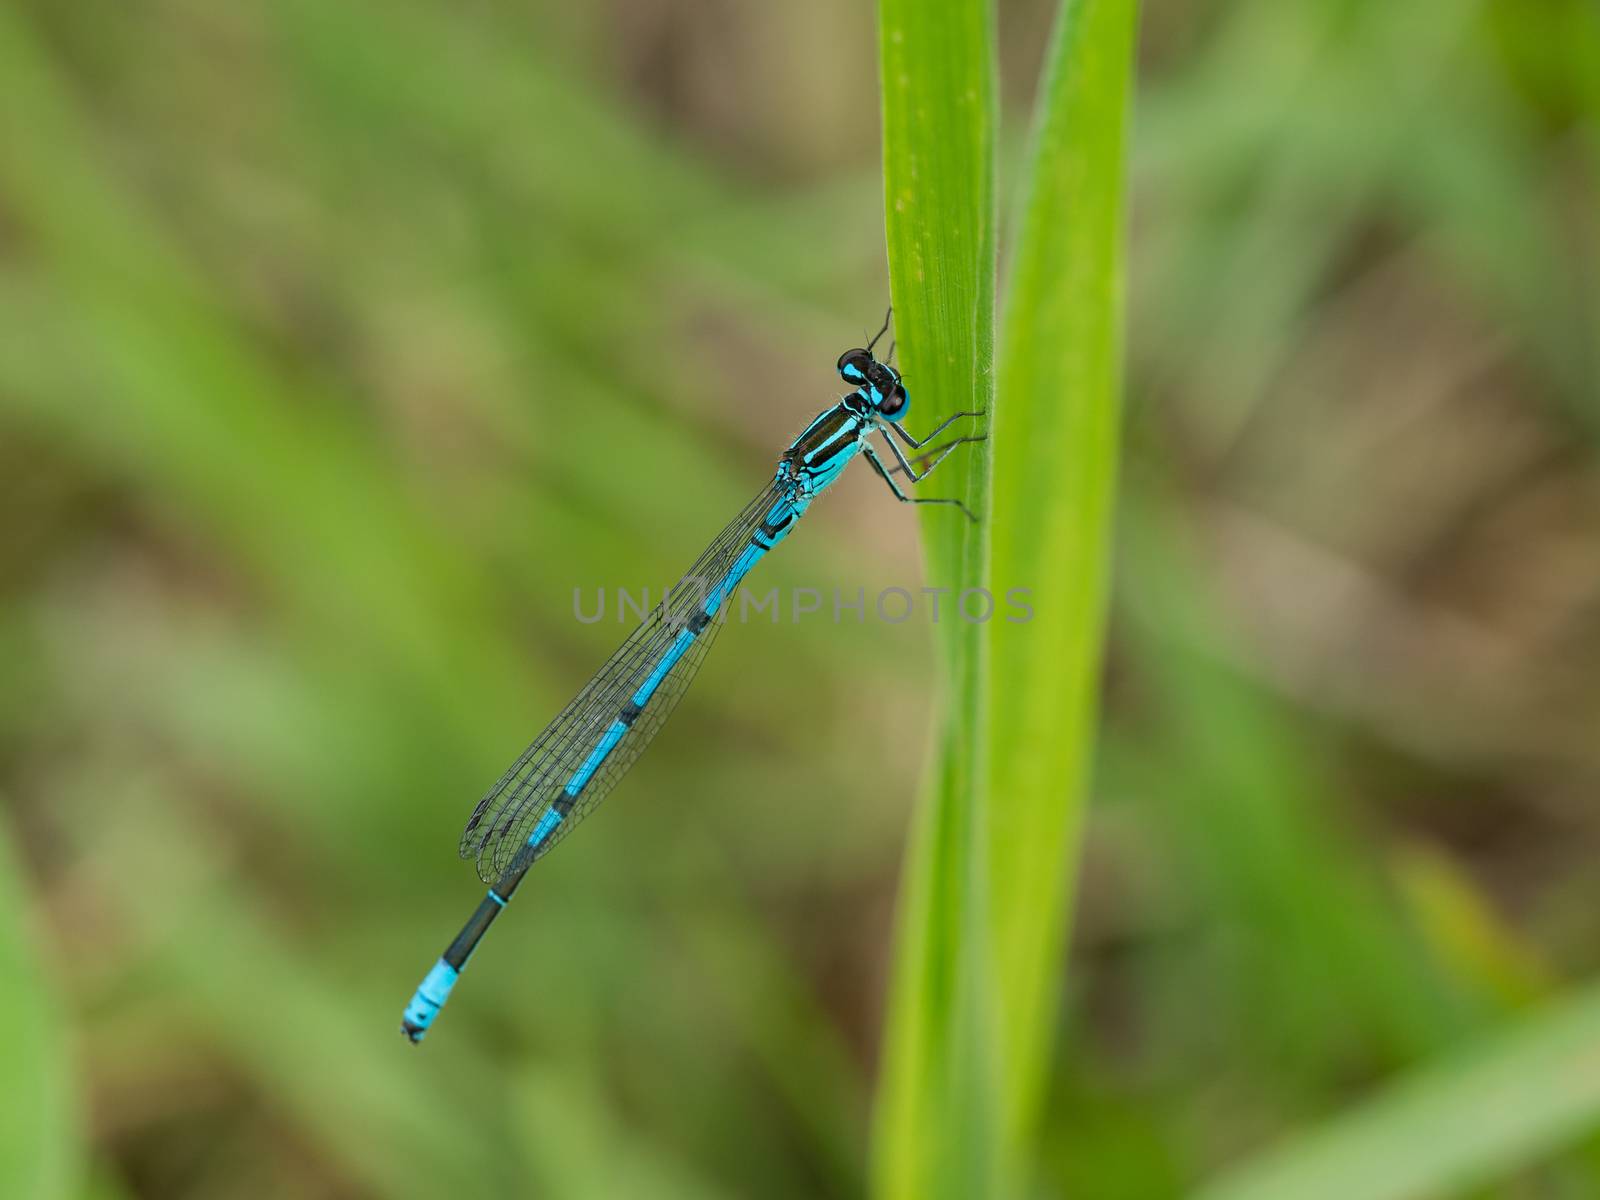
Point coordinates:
pixel 893 404
pixel 854 365
pixel 878 382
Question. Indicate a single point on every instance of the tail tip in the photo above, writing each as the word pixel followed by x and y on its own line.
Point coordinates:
pixel 428 1000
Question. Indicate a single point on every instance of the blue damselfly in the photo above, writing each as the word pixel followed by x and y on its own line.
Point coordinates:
pixel 587 749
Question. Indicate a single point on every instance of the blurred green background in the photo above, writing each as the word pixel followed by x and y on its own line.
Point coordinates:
pixel 340 341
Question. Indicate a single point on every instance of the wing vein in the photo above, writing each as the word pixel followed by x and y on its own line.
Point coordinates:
pixel 500 825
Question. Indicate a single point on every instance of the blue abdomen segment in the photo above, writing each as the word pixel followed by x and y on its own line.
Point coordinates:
pixel 753 553
pixel 613 735
pixel 429 998
pixel 548 822
pixel 785 511
pixel 669 660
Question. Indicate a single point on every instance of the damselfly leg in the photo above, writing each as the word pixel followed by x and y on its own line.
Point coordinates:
pixel 877 465
pixel 937 454
pixel 919 443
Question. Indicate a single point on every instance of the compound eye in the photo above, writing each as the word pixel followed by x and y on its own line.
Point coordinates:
pixel 894 404
pixel 853 366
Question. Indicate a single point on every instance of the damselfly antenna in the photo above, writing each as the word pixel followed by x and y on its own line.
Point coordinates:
pixel 886 319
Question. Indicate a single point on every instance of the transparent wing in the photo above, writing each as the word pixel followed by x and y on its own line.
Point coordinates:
pixel 501 823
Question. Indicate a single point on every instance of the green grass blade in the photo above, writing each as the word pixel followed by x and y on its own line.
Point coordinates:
pixel 1055 455
pixel 936 1132
pixel 1499 1105
pixel 38 1145
pixel 955 990
pixel 939 122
